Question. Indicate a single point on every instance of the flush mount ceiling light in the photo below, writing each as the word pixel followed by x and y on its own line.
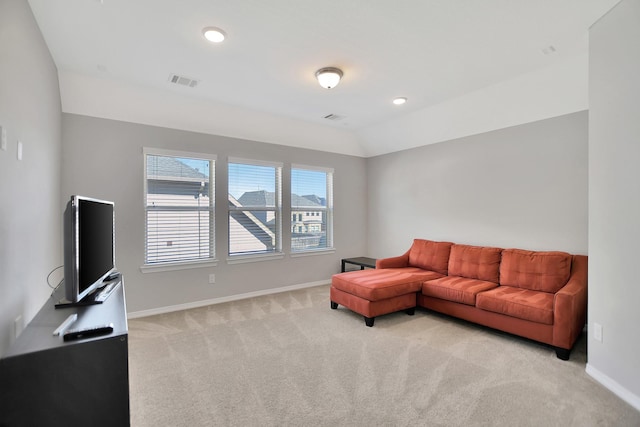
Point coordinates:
pixel 329 77
pixel 399 100
pixel 214 34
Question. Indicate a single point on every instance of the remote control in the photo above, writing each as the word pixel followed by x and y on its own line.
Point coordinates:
pixel 64 325
pixel 112 276
pixel 74 334
pixel 105 292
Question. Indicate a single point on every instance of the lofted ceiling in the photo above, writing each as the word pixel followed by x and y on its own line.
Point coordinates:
pixel 434 52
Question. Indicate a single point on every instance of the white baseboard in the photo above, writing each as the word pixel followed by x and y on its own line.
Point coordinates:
pixel 614 386
pixel 203 303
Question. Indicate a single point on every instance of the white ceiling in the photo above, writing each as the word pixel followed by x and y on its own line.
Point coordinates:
pixel 434 52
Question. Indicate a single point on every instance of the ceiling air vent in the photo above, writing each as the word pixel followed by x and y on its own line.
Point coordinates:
pixel 182 80
pixel 333 117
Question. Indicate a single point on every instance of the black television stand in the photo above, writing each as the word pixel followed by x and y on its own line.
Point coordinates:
pixel 46 381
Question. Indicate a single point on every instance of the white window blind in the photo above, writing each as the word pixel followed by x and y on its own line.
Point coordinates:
pixel 179 207
pixel 254 207
pixel 311 208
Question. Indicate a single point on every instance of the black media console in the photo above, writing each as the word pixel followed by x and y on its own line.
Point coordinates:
pixel 46 380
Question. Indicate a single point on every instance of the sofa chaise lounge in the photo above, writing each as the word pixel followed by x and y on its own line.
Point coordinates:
pixel 537 295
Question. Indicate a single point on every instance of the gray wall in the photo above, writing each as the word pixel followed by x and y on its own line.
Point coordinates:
pixel 30 214
pixel 524 187
pixel 614 199
pixel 103 158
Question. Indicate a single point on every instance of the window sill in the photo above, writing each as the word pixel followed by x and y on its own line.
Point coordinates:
pixel 313 252
pixel 242 259
pixel 173 266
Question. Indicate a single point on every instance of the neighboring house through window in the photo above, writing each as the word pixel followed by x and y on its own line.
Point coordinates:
pixel 179 207
pixel 311 208
pixel 254 207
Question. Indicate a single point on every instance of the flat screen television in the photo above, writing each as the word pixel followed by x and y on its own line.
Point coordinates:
pixel 89 246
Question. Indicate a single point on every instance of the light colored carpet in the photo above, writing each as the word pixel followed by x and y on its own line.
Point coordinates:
pixel 289 360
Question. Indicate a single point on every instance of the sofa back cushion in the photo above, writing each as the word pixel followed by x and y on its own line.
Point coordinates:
pixel 536 271
pixel 475 262
pixel 430 255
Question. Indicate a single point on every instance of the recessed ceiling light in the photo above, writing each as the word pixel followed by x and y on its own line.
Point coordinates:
pixel 400 100
pixel 214 34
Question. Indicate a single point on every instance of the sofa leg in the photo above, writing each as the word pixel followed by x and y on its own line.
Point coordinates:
pixel 334 305
pixel 410 311
pixel 562 353
pixel 369 321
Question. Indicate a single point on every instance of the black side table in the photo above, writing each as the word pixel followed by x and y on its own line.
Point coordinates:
pixel 361 261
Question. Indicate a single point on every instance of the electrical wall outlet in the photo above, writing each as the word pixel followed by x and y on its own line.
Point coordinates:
pixel 597 332
pixel 17 327
pixel 212 278
pixel 3 138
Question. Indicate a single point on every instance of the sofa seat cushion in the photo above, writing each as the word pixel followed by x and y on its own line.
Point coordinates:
pixel 524 304
pixel 536 271
pixel 475 262
pixel 457 289
pixel 430 255
pixel 377 285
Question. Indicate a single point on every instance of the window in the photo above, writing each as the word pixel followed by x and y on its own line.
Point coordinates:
pixel 311 208
pixel 179 207
pixel 254 207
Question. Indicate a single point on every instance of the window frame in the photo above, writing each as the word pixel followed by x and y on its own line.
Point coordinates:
pixel 328 210
pixel 210 261
pixel 277 252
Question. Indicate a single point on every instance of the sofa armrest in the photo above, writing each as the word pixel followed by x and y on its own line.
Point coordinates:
pixel 394 262
pixel 570 305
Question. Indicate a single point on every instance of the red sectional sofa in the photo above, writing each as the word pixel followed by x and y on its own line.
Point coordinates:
pixel 537 295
